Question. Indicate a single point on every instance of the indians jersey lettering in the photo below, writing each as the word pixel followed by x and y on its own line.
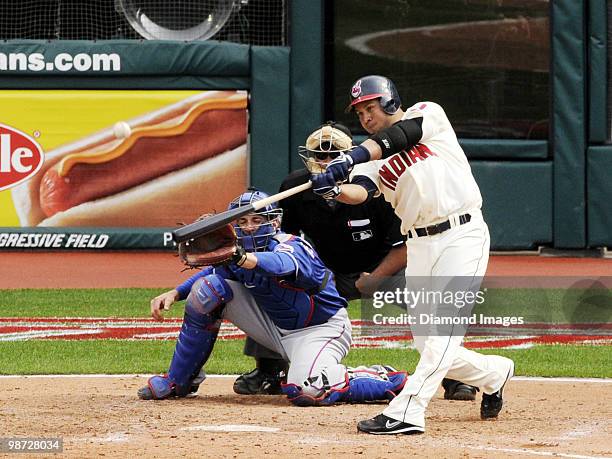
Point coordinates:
pixel 397 164
pixel 432 180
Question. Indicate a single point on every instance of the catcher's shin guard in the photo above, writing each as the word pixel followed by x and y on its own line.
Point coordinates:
pixel 324 389
pixel 374 383
pixel 361 384
pixel 161 387
pixel 196 339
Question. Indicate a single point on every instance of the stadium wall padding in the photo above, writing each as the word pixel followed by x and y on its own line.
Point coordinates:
pixel 517 202
pixel 599 165
pixel 146 58
pixel 307 71
pixel 270 111
pixel 568 81
pixel 598 71
pixel 504 149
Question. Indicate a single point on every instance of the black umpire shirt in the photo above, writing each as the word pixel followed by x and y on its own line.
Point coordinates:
pixel 348 238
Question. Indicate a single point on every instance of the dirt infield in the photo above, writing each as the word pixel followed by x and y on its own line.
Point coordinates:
pixel 102 417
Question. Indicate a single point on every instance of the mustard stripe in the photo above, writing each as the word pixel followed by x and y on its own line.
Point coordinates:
pixel 164 129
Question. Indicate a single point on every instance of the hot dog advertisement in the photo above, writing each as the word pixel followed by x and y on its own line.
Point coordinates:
pixel 133 160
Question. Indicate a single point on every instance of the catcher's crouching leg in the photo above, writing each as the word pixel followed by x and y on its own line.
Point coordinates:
pixel 345 384
pixel 195 342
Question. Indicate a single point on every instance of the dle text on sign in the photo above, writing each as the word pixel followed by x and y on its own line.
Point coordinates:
pixel 20 157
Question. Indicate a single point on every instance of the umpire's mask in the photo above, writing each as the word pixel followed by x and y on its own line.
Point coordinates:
pixel 326 143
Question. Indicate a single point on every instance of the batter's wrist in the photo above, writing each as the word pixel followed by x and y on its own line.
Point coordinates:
pixel 359 155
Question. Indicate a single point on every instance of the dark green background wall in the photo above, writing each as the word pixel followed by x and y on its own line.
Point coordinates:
pixel 552 193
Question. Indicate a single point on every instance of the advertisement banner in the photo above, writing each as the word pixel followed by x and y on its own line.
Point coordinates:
pixel 128 160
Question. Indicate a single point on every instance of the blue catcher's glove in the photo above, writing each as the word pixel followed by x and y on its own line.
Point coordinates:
pixel 325 185
pixel 340 168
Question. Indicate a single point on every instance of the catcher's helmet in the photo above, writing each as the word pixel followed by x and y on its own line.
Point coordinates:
pixel 328 141
pixel 257 240
pixel 376 87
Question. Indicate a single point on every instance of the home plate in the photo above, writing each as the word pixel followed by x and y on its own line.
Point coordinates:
pixel 233 428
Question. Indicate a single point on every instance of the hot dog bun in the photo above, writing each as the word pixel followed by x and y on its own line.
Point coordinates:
pixel 177 197
pixel 78 178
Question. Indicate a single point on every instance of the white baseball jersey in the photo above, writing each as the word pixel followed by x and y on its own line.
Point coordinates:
pixel 425 186
pixel 430 181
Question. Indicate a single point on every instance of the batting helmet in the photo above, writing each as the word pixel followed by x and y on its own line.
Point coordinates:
pixel 257 240
pixel 376 87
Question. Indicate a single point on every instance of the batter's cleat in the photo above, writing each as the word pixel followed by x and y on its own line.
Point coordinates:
pixel 258 382
pixel 456 390
pixel 384 425
pixel 492 404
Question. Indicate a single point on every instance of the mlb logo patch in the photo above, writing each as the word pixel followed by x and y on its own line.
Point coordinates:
pixel 362 235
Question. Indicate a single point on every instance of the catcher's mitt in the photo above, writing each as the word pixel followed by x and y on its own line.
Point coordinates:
pixel 214 248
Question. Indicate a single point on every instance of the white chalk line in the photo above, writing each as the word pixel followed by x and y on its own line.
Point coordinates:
pixel 318 440
pixel 578 432
pixel 232 428
pixel 122 437
pixel 533 453
pixel 515 378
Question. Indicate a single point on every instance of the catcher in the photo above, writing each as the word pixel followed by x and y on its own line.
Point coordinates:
pixel 274 287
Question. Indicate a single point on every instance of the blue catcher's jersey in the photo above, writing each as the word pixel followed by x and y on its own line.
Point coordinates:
pixel 290 283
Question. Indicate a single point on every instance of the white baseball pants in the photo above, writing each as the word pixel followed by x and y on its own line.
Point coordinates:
pixel 460 251
pixel 309 350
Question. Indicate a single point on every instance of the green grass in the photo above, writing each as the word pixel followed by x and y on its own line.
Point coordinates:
pixel 557 360
pixel 553 305
pixel 541 305
pixel 117 357
pixel 109 356
pixel 115 302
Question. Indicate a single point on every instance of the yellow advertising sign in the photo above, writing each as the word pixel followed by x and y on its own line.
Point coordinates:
pixel 125 158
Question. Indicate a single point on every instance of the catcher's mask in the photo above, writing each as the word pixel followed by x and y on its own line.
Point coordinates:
pixel 375 87
pixel 327 142
pixel 258 239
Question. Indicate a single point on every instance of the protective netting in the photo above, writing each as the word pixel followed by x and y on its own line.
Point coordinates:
pixel 255 22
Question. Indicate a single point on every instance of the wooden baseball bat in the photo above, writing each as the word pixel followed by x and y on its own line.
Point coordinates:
pixel 199 228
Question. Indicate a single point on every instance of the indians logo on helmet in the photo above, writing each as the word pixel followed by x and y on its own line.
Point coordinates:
pixel 20 156
pixel 356 90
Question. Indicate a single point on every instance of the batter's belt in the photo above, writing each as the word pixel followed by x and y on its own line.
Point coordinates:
pixel 438 228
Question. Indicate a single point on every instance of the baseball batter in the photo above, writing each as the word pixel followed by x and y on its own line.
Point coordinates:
pixel 416 162
pixel 277 290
